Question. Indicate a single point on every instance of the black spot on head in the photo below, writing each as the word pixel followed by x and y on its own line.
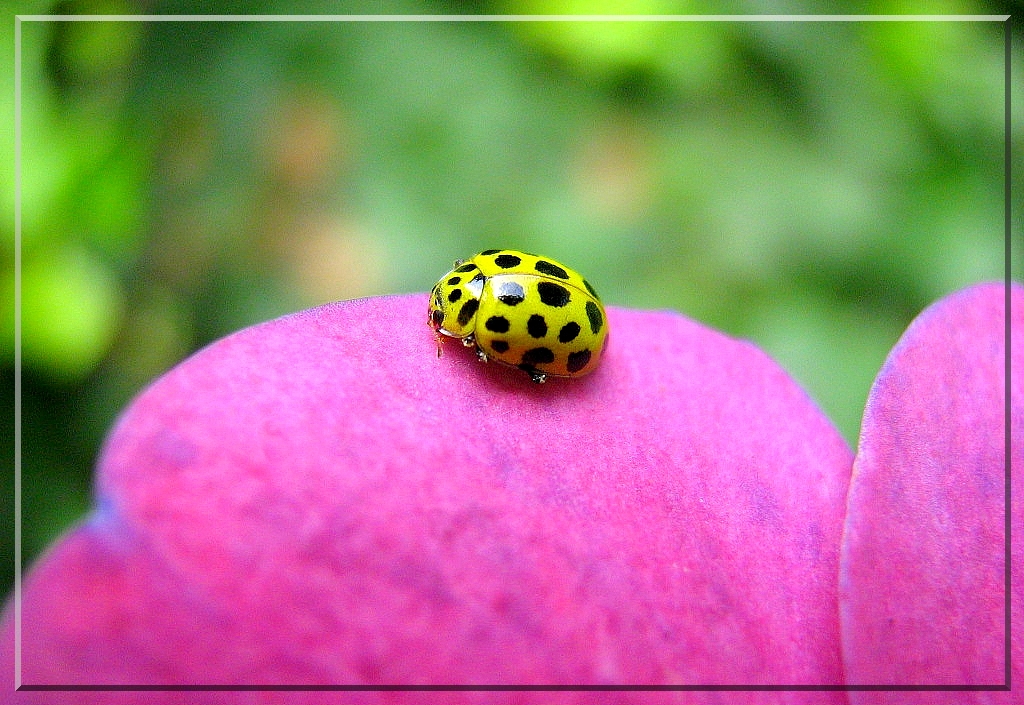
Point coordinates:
pixel 594 316
pixel 538 356
pixel 499 346
pixel 553 294
pixel 497 324
pixel 467 311
pixel 454 296
pixel 590 289
pixel 437 317
pixel 453 281
pixel 577 360
pixel 537 326
pixel 510 293
pixel 507 261
pixel 569 332
pixel 551 269
pixel 490 252
pixel 467 267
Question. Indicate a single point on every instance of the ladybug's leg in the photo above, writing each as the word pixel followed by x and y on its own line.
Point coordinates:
pixel 435 319
pixel 536 375
pixel 470 341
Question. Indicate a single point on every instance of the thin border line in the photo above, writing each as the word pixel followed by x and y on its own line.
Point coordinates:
pixel 518 18
pixel 17 354
pixel 1007 514
pixel 17 596
pixel 522 688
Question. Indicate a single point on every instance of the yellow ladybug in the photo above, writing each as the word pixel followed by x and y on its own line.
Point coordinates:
pixel 522 310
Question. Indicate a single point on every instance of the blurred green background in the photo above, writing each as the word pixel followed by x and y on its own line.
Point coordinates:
pixel 809 186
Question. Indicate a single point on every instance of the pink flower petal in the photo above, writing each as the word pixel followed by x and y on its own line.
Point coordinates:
pixel 923 571
pixel 320 499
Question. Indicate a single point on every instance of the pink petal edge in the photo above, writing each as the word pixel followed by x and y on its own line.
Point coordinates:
pixel 923 567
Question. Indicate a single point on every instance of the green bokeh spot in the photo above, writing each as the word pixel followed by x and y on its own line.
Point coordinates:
pixel 71 308
pixel 606 47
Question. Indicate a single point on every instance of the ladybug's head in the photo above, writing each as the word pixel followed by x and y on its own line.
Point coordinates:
pixel 455 300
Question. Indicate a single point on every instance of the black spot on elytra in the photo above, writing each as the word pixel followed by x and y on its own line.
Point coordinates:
pixel 594 316
pixel 569 332
pixel 538 356
pixel 553 294
pixel 537 326
pixel 467 311
pixel 497 324
pixel 551 269
pixel 467 267
pixel 453 281
pixel 508 261
pixel 454 296
pixel 510 293
pixel 590 289
pixel 577 360
pixel 499 346
pixel 490 252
